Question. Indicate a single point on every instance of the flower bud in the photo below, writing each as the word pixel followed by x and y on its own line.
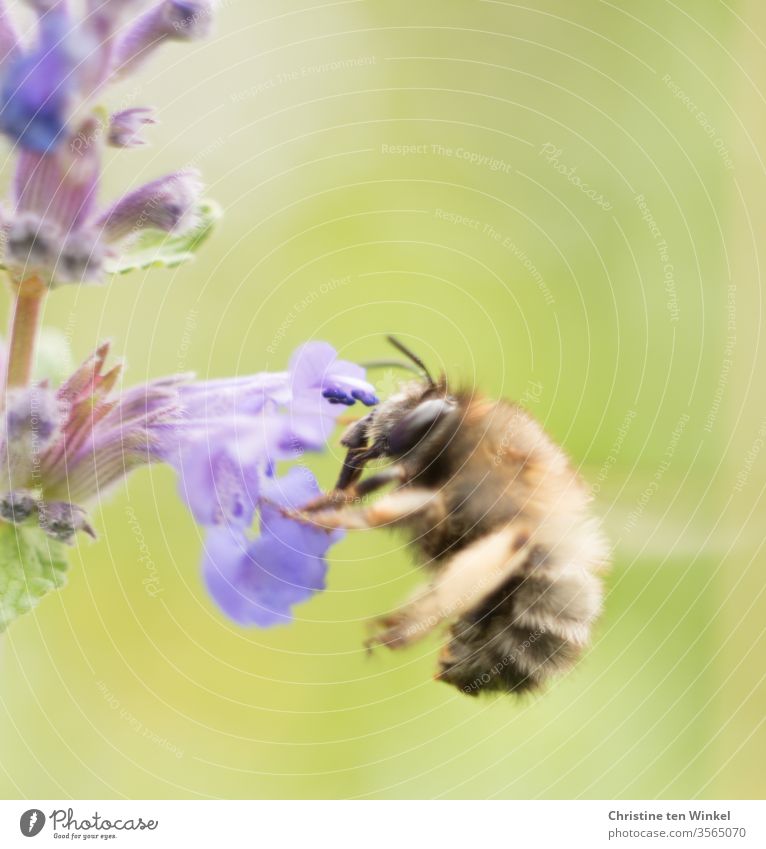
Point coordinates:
pixel 167 204
pixel 17 506
pixel 125 126
pixel 189 19
pixel 61 520
pixel 31 424
pixel 170 20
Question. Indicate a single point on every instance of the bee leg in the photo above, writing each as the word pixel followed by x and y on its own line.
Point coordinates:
pixel 324 501
pixel 447 659
pixel 359 453
pixel 353 466
pixel 461 585
pixel 352 494
pixel 389 510
pixel 393 474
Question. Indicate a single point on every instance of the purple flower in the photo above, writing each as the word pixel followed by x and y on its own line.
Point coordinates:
pixel 61 448
pixel 256 582
pixel 234 432
pixel 314 366
pixel 37 88
pixel 230 439
pixel 170 20
pixel 9 38
pixel 166 204
pixel 55 230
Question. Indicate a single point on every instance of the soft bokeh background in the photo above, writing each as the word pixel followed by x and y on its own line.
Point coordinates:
pixel 621 301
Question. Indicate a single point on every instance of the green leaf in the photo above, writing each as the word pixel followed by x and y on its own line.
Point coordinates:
pixel 31 566
pixel 156 249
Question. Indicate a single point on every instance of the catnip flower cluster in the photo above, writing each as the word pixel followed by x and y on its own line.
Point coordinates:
pixel 227 448
pixel 56 228
pixel 63 447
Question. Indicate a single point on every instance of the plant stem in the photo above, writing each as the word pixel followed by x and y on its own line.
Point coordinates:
pixel 25 323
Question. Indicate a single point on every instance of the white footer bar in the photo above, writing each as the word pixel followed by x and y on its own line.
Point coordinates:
pixel 382 825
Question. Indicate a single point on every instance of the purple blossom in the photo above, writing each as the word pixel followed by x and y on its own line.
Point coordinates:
pixel 37 88
pixel 61 448
pixel 9 38
pixel 234 432
pixel 256 582
pixel 167 204
pixel 55 230
pixel 171 20
pixel 314 366
pixel 228 440
pixel 231 437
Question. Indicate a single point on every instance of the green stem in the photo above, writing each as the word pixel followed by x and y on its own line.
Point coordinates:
pixel 25 324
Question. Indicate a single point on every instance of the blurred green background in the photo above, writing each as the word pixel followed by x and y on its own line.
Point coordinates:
pixel 563 204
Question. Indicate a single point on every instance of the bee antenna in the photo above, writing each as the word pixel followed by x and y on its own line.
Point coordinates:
pixel 400 346
pixel 370 364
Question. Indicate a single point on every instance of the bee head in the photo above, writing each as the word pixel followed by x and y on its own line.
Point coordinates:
pixel 405 420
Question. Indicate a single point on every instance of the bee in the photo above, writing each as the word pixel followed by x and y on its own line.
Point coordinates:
pixel 498 517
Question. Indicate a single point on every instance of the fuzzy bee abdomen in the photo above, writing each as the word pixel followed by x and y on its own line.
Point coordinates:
pixel 531 629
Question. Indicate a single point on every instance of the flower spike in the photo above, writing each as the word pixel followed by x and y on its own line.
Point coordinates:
pixel 55 231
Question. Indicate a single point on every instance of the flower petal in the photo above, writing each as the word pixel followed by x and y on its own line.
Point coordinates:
pixel 315 367
pixel 292 491
pixel 9 37
pixel 36 90
pixel 219 481
pixel 125 126
pixel 257 583
pixel 167 204
pixel 230 397
pixel 170 20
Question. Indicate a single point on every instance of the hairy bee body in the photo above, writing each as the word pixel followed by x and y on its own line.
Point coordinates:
pixel 498 516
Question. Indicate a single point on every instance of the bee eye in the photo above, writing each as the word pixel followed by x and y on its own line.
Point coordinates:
pixel 406 434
